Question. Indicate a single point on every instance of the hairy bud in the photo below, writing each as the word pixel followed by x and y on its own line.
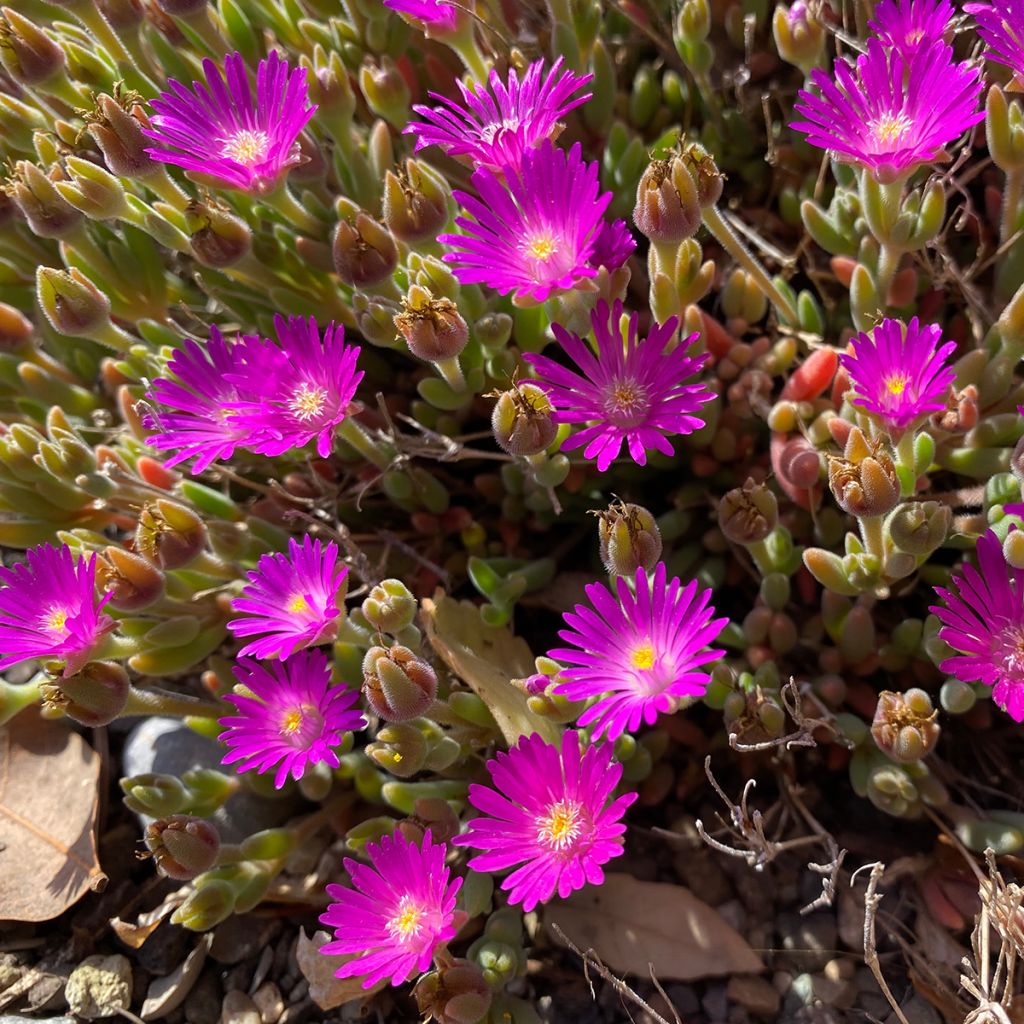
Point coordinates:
pixel 397 684
pixel 218 238
pixel 27 53
pixel 169 534
pixel 415 203
pixel 629 539
pixel 919 527
pixel 433 328
pixel 48 213
pixel 667 208
pixel 523 420
pixel 182 846
pixel 93 697
pixel 748 514
pixel 390 607
pixel 864 481
pixel 72 303
pixel 456 993
pixel 905 726
pixel 116 125
pixel 132 581
pixel 364 252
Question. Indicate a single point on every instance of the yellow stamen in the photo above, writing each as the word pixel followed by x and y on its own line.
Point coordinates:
pixel 246 147
pixel 890 128
pixel 308 401
pixel 291 722
pixel 57 621
pixel 643 657
pixel 561 826
pixel 542 248
pixel 407 921
pixel 297 604
pixel 897 383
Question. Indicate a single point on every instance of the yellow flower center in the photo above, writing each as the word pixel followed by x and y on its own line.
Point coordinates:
pixel 407 922
pixel 897 383
pixel 307 402
pixel 246 146
pixel 541 248
pixel 889 129
pixel 297 604
pixel 56 621
pixel 643 657
pixel 561 826
pixel 291 721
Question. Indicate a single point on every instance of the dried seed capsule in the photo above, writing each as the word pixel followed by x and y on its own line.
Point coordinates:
pixel 629 539
pixel 182 846
pixel 904 725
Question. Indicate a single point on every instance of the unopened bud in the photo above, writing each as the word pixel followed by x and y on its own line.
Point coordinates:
pixel 694 20
pixel 397 684
pixel 205 908
pixel 706 176
pixel 799 36
pixel 386 91
pixel 919 527
pixel 154 794
pixel 92 190
pixel 121 14
pixel 169 534
pixel 48 213
pixel 132 581
pixel 864 482
pixel 456 993
pixel 433 328
pixel 629 539
pixel 27 53
pixel 116 125
pixel 218 238
pixel 415 203
pixel 72 303
pixel 667 209
pixel 93 697
pixel 434 814
pixel 15 329
pixel 182 846
pixel 905 725
pixel 390 607
pixel 523 420
pixel 748 514
pixel 364 252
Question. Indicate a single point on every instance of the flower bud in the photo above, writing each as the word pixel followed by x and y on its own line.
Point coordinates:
pixel 131 580
pixel 905 726
pixel 400 748
pixel 747 514
pixel 116 125
pixel 433 328
pixel 205 908
pixel 415 203
pixel 27 53
pixel 456 993
pixel 218 238
pixel 154 794
pixel 121 14
pixel 919 527
pixel 667 209
pixel 390 607
pixel 182 846
pixel 799 36
pixel 629 539
pixel 15 329
pixel 708 179
pixel 72 303
pixel 397 684
pixel 48 213
pixel 523 420
pixel 95 696
pixel 864 481
pixel 364 252
pixel 386 91
pixel 169 534
pixel 432 813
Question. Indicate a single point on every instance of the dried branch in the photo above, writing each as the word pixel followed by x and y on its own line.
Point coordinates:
pixel 871 900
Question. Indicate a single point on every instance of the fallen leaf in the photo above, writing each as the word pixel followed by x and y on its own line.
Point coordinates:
pixel 631 924
pixel 487 659
pixel 326 990
pixel 134 935
pixel 166 994
pixel 48 800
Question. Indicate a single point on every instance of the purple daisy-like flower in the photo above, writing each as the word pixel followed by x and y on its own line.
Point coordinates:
pixel 433 15
pixel 550 815
pixel 1001 26
pixel 983 619
pixel 399 909
pixel 909 24
pixel 49 609
pixel 613 246
pixel 893 111
pixel 289 716
pixel 640 654
pixel 632 388
pixel 899 372
pixel 494 128
pixel 301 397
pixel 293 601
pixel 196 419
pixel 534 231
pixel 221 131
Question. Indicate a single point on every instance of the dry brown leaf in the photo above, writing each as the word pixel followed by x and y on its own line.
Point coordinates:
pixel 48 800
pixel 318 969
pixel 631 924
pixel 486 658
pixel 166 994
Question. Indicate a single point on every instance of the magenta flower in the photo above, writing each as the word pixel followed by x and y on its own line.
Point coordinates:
pixel 894 111
pixel 49 609
pixel 640 654
pixel 302 396
pixel 899 373
pixel 1001 26
pixel 289 716
pixel 219 131
pixel 197 421
pixel 433 15
pixel 633 389
pixel 983 619
pixel 613 245
pixel 294 600
pixel 493 129
pixel 550 815
pixel 910 24
pixel 398 911
pixel 534 234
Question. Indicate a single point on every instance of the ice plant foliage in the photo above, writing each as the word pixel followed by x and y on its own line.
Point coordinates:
pixel 1001 25
pixel 289 716
pixel 910 24
pixel 551 816
pixel 493 128
pixel 292 600
pixel 900 373
pixel 982 619
pixel 894 111
pixel 49 609
pixel 400 908
pixel 534 231
pixel 221 131
pixel 638 654
pixel 632 390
